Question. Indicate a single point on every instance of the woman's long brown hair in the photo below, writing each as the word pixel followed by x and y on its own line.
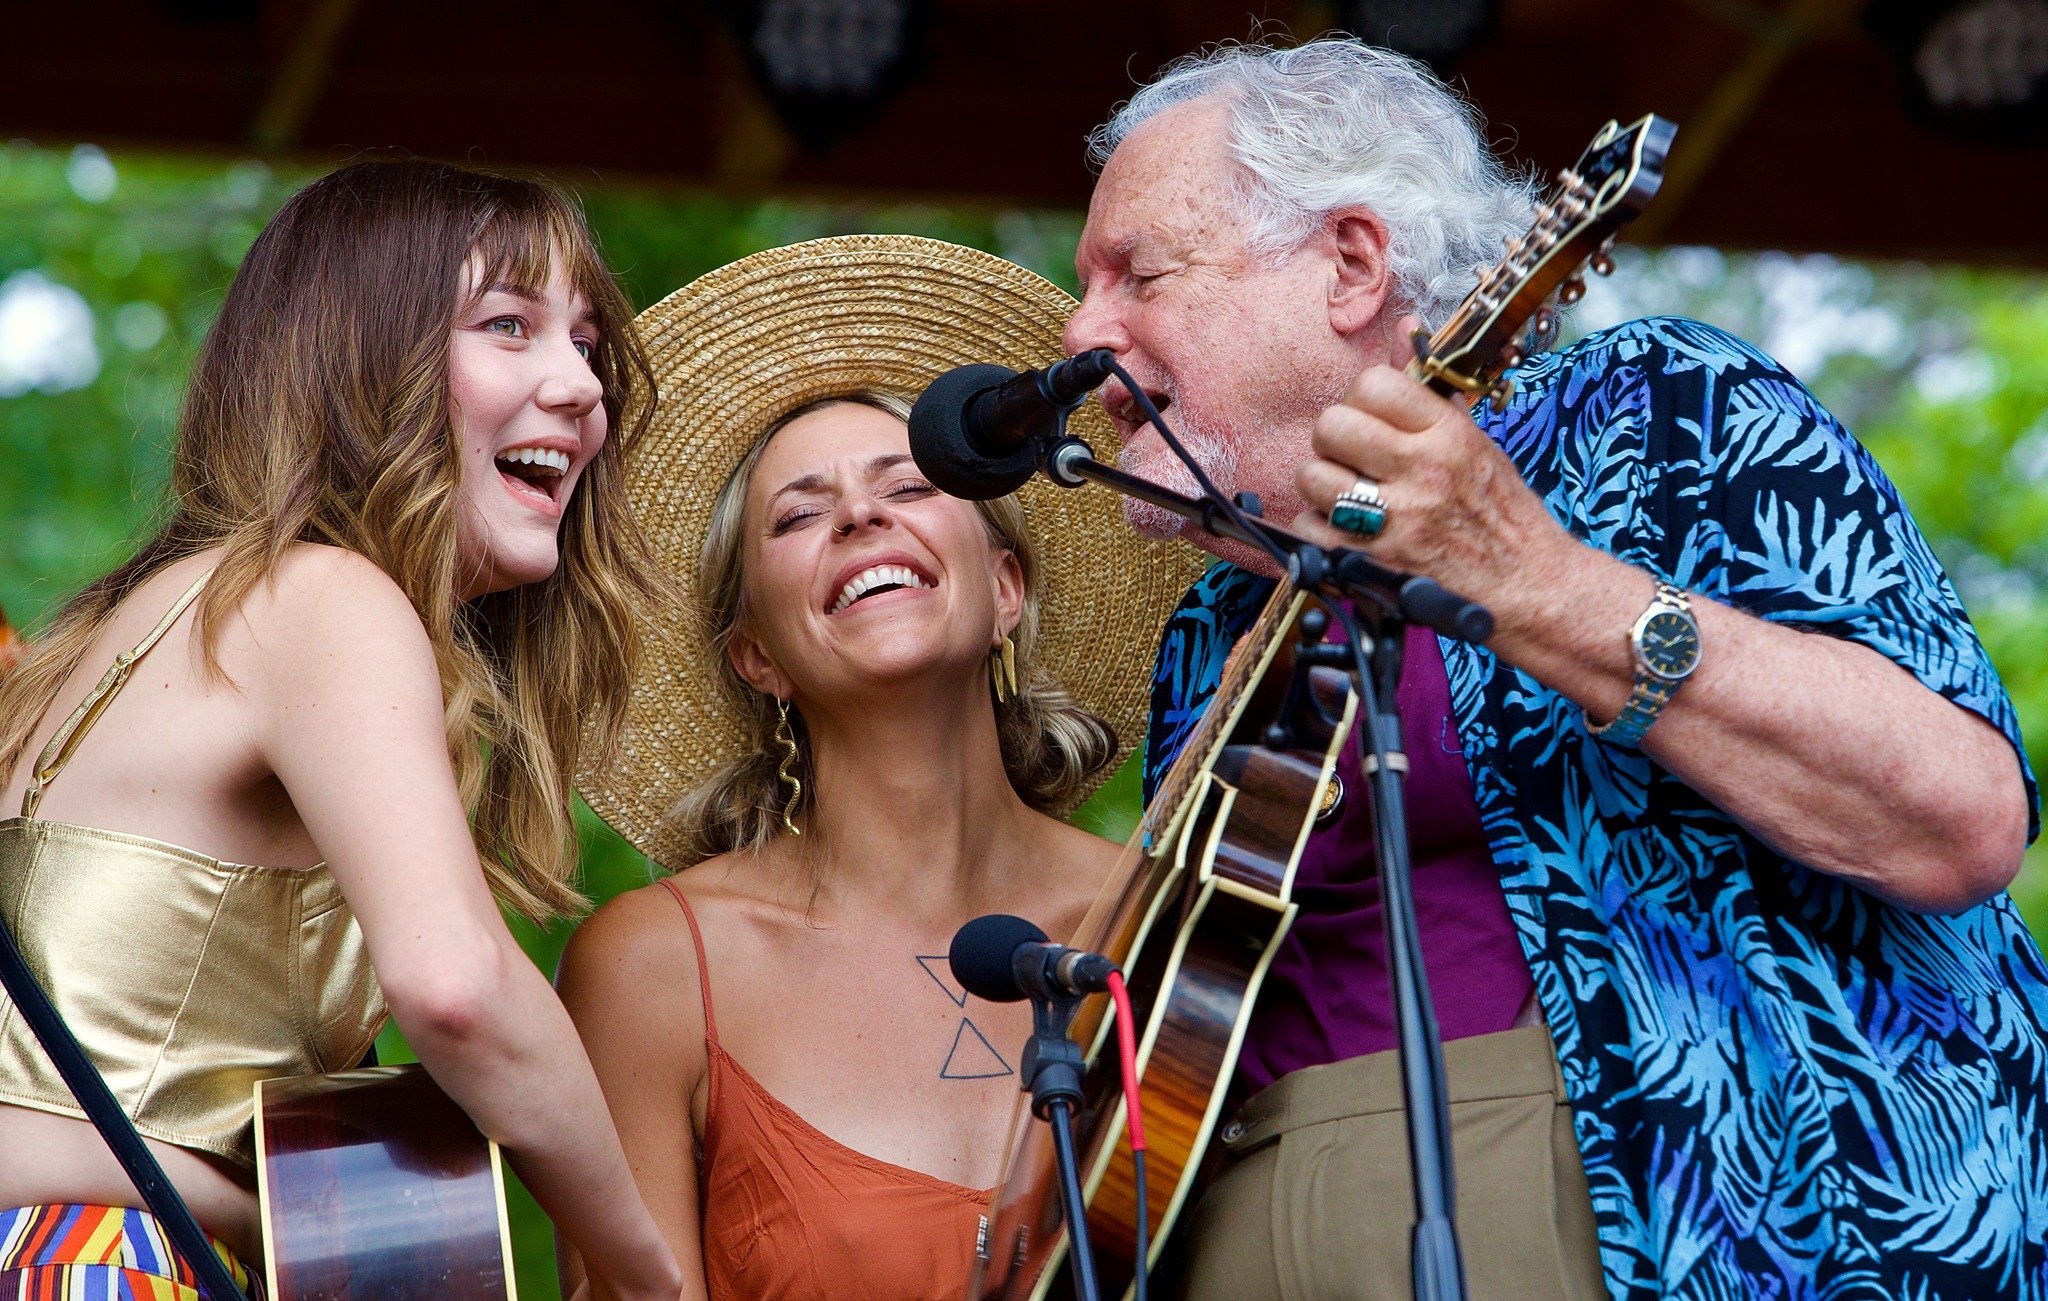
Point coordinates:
pixel 319 411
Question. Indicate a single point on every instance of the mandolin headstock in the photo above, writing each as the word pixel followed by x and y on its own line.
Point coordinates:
pixel 1508 314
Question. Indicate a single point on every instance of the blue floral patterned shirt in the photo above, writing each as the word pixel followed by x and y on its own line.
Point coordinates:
pixel 1783 1087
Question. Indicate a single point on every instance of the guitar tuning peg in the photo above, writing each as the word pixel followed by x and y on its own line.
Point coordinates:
pixel 1571 291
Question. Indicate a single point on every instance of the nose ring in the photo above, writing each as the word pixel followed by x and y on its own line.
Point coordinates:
pixel 842 530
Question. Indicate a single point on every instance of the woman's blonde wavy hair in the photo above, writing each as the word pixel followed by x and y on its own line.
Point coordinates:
pixel 1050 744
pixel 319 411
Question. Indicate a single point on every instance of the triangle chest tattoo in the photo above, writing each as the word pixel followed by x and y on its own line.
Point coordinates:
pixel 972 1056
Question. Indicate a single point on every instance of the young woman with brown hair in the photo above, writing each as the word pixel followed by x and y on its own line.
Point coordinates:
pixel 387 617
pixel 868 734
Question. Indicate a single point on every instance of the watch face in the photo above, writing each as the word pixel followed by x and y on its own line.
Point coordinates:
pixel 1669 645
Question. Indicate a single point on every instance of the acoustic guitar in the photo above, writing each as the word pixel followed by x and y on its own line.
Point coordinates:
pixel 375 1186
pixel 1203 894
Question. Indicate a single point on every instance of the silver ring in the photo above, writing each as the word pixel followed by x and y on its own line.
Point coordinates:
pixel 1361 509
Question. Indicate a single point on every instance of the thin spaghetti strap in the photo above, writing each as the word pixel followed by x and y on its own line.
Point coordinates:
pixel 64 743
pixel 703 967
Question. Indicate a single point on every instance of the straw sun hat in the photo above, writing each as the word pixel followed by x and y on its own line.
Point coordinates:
pixel 738 349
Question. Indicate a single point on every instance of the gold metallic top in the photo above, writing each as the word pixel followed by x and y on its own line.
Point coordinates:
pixel 186 979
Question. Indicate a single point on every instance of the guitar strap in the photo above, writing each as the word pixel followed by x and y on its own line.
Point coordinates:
pixel 83 1079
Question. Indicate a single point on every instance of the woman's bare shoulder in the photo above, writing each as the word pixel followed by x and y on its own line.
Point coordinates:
pixel 1091 855
pixel 643 934
pixel 329 589
pixel 1084 864
pixel 640 934
pixel 326 622
pixel 628 977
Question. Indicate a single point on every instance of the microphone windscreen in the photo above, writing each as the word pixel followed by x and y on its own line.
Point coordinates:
pixel 942 448
pixel 982 953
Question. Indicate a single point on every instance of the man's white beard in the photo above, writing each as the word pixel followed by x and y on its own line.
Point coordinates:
pixel 1215 453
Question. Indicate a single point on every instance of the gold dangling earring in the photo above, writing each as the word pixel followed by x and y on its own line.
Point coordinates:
pixel 1002 669
pixel 787 740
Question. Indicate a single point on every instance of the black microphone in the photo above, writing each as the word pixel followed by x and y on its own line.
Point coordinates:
pixel 1003 959
pixel 975 430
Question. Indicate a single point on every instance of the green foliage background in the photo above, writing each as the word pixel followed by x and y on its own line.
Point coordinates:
pixel 1943 372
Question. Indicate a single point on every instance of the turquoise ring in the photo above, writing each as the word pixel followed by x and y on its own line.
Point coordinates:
pixel 1360 509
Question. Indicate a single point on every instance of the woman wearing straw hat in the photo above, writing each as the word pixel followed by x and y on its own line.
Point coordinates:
pixel 865 734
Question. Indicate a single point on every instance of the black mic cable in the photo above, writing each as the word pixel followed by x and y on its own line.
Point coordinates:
pixel 1231 510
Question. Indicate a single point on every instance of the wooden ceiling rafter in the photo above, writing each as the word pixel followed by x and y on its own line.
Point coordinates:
pixel 1793 132
pixel 302 75
pixel 1775 36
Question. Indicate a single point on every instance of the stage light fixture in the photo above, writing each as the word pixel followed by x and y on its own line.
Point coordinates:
pixel 828 65
pixel 1435 31
pixel 1978 67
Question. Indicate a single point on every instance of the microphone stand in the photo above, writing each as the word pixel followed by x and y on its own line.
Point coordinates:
pixel 1052 1066
pixel 1390 600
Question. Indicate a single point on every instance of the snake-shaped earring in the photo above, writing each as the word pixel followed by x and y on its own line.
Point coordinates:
pixel 787 740
pixel 1002 669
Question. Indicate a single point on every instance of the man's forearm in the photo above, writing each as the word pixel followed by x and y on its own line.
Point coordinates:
pixel 1830 753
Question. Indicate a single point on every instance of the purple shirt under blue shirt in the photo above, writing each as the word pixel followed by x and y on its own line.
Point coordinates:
pixel 1478 978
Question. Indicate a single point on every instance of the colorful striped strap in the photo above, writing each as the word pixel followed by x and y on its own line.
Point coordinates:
pixel 78 1244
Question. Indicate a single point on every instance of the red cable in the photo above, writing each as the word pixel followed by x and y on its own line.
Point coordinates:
pixel 1127 1054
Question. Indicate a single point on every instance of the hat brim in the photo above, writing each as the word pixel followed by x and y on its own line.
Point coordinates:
pixel 739 348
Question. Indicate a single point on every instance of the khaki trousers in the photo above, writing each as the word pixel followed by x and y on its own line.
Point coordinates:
pixel 1313 1202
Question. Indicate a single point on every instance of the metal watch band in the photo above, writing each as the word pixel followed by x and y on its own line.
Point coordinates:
pixel 1651 692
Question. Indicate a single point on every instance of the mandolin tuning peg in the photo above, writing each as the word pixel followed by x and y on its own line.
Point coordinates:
pixel 1546 323
pixel 1571 291
pixel 1602 260
pixel 1511 356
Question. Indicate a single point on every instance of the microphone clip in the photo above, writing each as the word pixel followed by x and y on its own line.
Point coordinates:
pixel 1052 1064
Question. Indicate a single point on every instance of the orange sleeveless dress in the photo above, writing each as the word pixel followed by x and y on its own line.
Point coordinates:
pixel 791 1214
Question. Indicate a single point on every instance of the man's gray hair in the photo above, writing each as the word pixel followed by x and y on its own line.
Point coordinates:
pixel 1334 124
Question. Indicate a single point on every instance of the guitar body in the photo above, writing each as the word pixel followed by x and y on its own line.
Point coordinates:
pixel 374 1184
pixel 1206 905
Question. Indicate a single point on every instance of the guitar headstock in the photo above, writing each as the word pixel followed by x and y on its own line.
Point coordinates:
pixel 1614 179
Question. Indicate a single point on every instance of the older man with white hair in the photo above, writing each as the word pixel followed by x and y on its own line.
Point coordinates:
pixel 1711 838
